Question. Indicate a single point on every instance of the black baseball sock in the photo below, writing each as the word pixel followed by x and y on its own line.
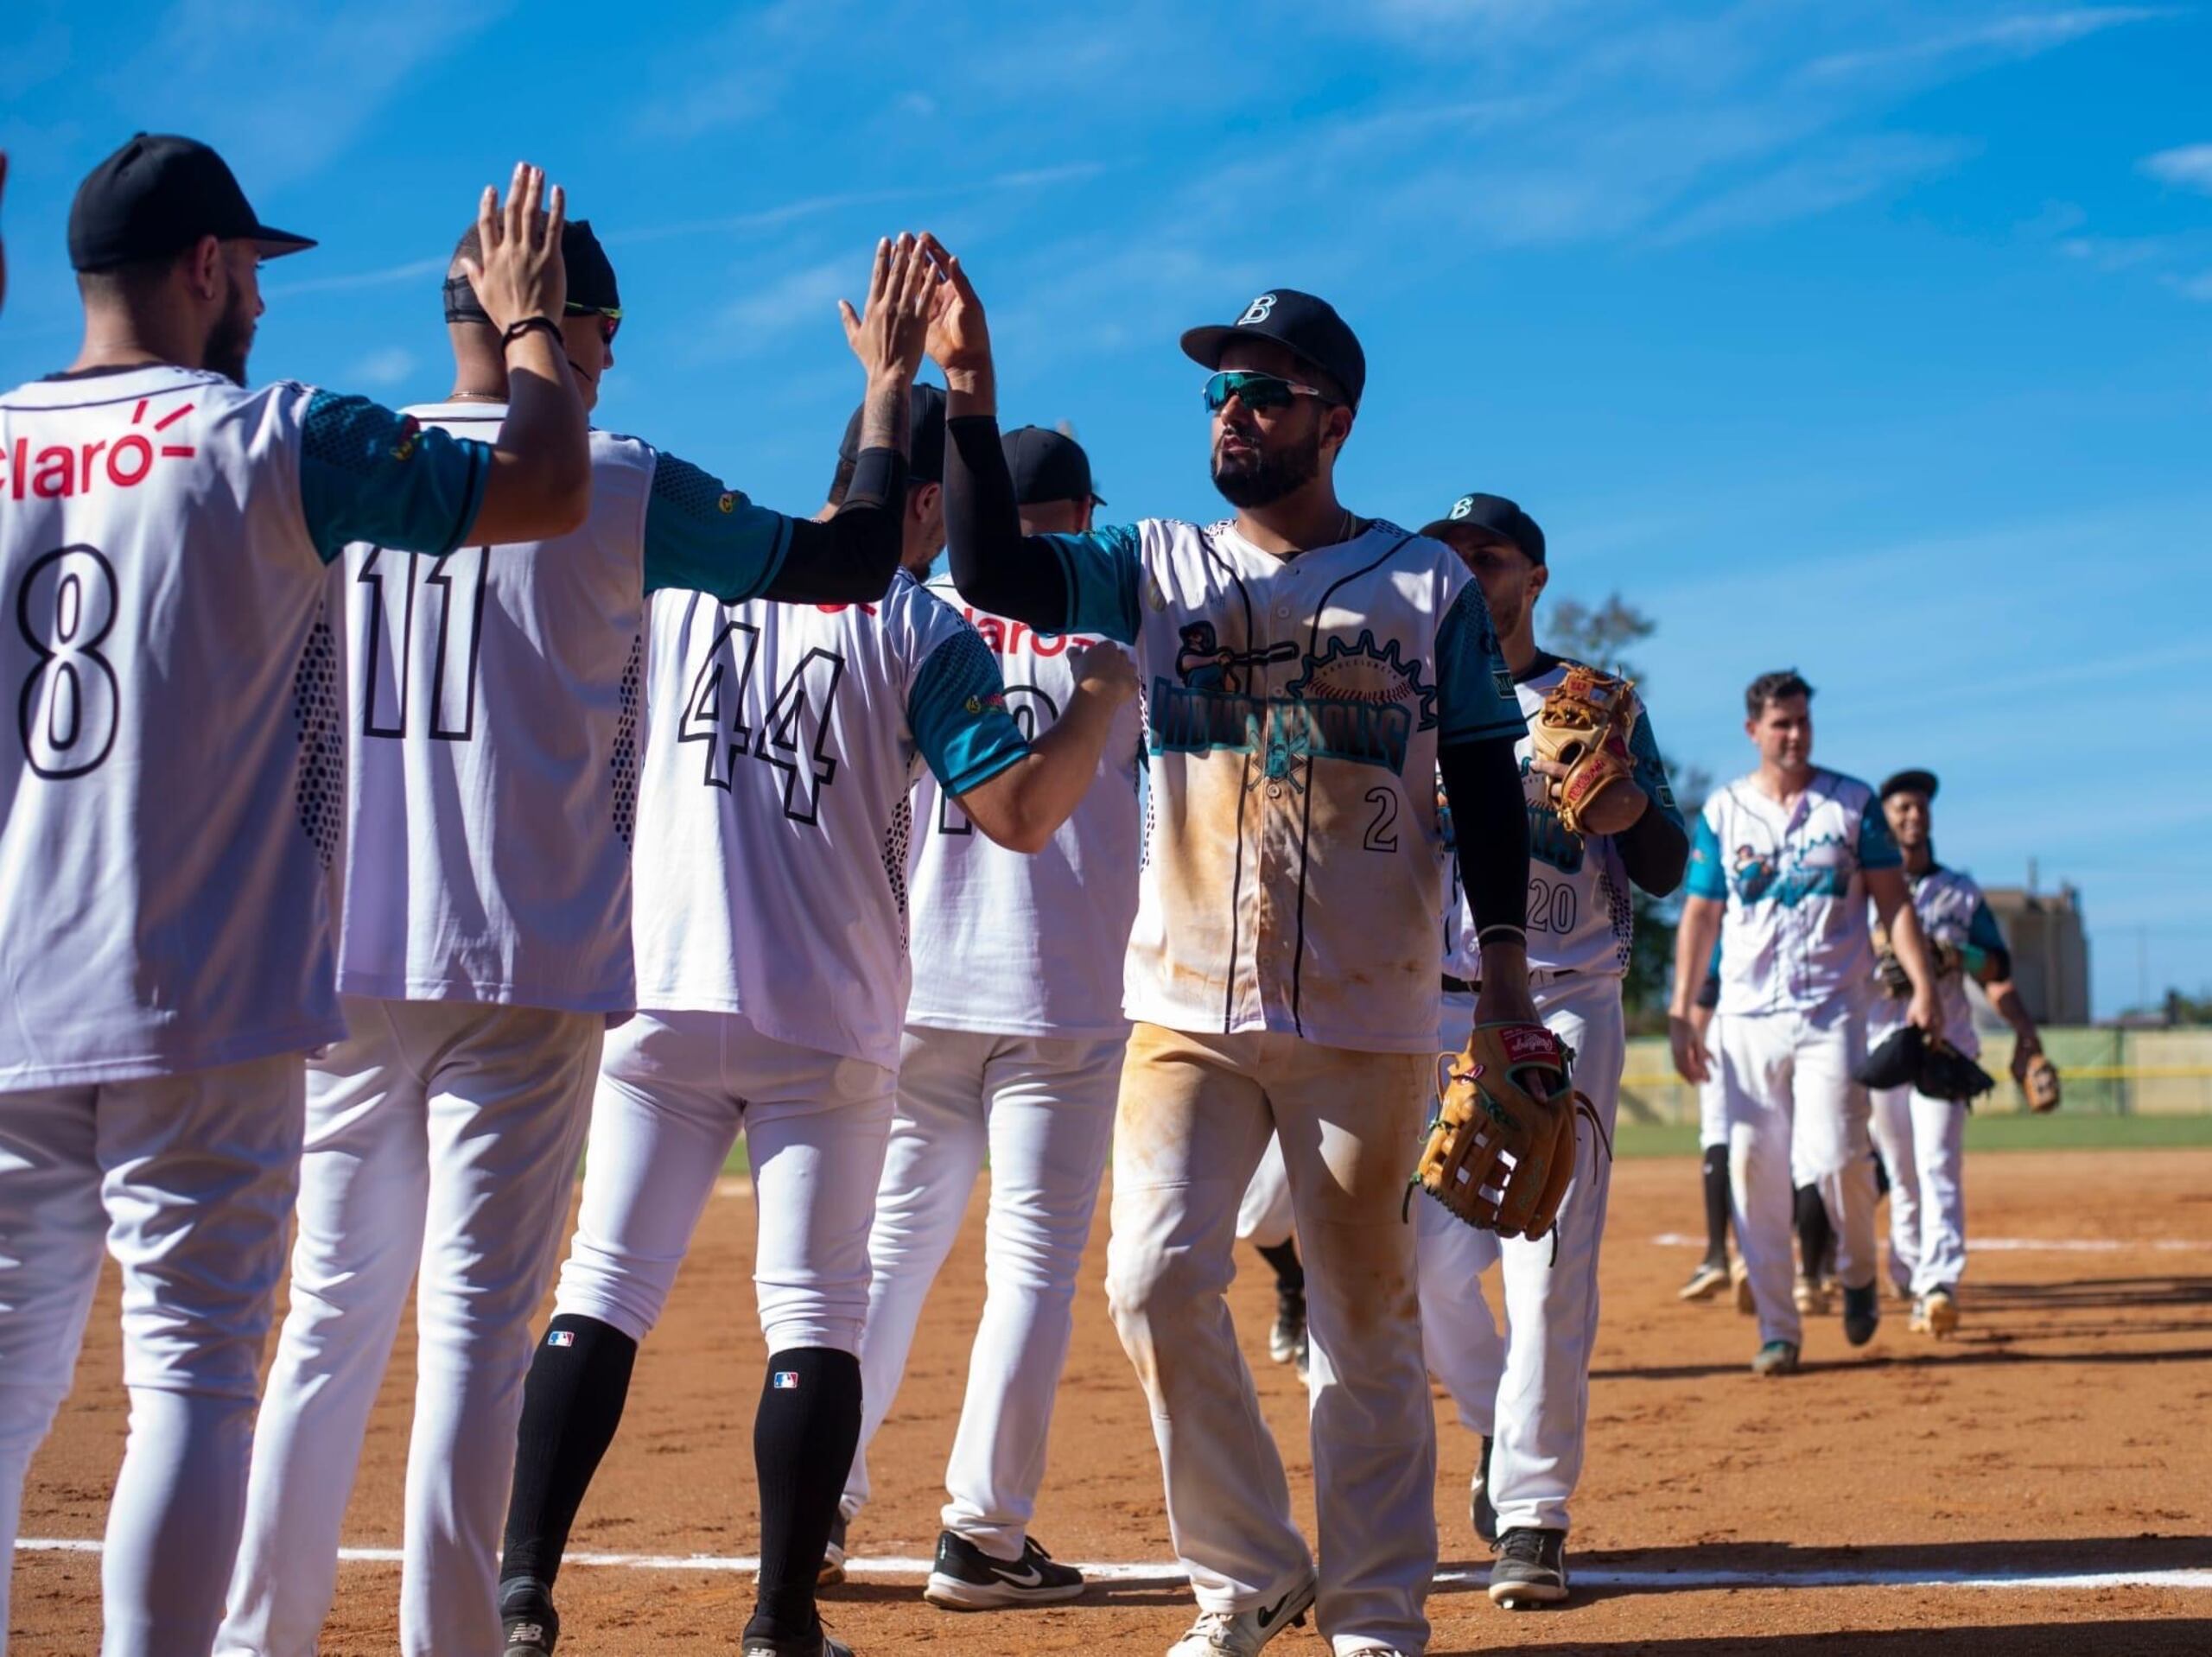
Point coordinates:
pixel 571 1406
pixel 1716 1204
pixel 804 1436
pixel 1815 1236
pixel 1290 1271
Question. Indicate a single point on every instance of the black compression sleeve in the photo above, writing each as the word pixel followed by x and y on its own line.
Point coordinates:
pixel 1655 850
pixel 994 565
pixel 1482 783
pixel 852 557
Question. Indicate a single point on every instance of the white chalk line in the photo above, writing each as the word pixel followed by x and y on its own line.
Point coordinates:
pixel 2014 1245
pixel 1805 1576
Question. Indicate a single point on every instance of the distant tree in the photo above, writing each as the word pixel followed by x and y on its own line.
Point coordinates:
pixel 1604 635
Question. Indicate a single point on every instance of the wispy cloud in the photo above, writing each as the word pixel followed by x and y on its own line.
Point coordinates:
pixel 2018 35
pixel 2188 168
pixel 1816 184
pixel 288 85
pixel 806 297
pixel 2198 287
pixel 388 367
pixel 752 60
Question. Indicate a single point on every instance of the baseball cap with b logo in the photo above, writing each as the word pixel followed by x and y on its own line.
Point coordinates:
pixel 1309 327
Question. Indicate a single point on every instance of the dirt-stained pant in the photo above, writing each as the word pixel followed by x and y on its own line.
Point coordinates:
pixel 1195 1114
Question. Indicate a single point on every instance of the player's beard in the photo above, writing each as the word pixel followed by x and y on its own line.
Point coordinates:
pixel 1265 476
pixel 231 339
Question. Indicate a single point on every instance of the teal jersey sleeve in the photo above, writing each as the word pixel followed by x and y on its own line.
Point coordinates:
pixel 1982 931
pixel 1707 878
pixel 704 536
pixel 1102 569
pixel 368 473
pixel 1652 770
pixel 1878 847
pixel 1475 698
pixel 957 713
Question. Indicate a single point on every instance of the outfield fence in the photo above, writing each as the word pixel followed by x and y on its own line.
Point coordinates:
pixel 2107 1073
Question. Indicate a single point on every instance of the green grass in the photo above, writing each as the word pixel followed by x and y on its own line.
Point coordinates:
pixel 2012 1132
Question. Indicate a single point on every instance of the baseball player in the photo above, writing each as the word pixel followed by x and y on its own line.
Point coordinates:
pixel 774 825
pixel 1305 672
pixel 493 720
pixel 1528 1396
pixel 1781 865
pixel 1012 1053
pixel 1714 1272
pixel 173 804
pixel 1265 1220
pixel 1923 1139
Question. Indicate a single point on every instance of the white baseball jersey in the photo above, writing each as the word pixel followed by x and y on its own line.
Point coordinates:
pixel 773 816
pixel 171 793
pixel 1294 709
pixel 1952 911
pixel 1795 934
pixel 1027 946
pixel 1581 909
pixel 496 711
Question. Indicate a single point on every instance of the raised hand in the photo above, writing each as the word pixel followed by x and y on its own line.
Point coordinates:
pixel 888 334
pixel 959 336
pixel 520 273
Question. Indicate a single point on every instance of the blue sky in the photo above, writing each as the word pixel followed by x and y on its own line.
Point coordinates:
pixel 1874 340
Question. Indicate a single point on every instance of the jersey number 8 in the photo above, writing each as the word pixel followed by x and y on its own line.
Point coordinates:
pixel 72 704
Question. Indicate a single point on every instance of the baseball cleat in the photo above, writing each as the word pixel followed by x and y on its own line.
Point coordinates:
pixel 1942 1313
pixel 1918 1325
pixel 1810 1296
pixel 1862 1314
pixel 1741 1275
pixel 966 1578
pixel 1242 1633
pixel 818 1644
pixel 1480 1513
pixel 529 1626
pixel 1776 1358
pixel 1707 1279
pixel 1302 1360
pixel 833 1556
pixel 1287 1339
pixel 1531 1569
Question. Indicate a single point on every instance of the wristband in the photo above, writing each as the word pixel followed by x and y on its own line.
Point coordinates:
pixel 527 324
pixel 1502 934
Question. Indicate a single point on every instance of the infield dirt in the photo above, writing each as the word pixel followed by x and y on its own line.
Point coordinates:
pixel 2066 1432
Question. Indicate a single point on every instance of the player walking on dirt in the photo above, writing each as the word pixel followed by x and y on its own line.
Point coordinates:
pixel 1305 672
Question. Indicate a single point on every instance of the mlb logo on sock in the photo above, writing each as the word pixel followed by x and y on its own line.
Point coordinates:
pixel 560 1337
pixel 786 1381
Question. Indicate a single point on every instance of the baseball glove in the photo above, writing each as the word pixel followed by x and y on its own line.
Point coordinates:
pixel 1584 727
pixel 1501 1150
pixel 2041 1084
pixel 1888 967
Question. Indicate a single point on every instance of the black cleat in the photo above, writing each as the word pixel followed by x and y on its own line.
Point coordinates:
pixel 1481 1511
pixel 1531 1569
pixel 1862 1314
pixel 1287 1339
pixel 529 1626
pixel 818 1644
pixel 966 1578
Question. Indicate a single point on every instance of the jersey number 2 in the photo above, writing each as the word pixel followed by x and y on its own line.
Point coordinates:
pixel 793 736
pixel 72 704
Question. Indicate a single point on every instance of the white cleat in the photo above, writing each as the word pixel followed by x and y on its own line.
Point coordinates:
pixel 1242 1634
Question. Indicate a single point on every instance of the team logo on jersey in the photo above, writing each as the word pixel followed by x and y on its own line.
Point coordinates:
pixel 786 1381
pixel 60 471
pixel 1203 664
pixel 1258 311
pixel 407 439
pixel 977 704
pixel 1759 875
pixel 1366 699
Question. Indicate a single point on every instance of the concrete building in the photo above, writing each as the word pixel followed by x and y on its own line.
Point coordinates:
pixel 2051 949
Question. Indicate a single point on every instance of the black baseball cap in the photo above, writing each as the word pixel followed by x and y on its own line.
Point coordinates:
pixel 925 439
pixel 1047 466
pixel 1308 326
pixel 157 195
pixel 591 282
pixel 1502 517
pixel 1910 782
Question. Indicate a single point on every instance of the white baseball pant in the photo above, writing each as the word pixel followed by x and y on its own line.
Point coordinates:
pixel 1195 1114
pixel 1264 1217
pixel 443 1138
pixel 1923 1142
pixel 674 1090
pixel 189 1179
pixel 1531 1390
pixel 1042 1110
pixel 1796 1117
pixel 1712 1095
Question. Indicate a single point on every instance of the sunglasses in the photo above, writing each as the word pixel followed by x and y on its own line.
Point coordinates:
pixel 1258 392
pixel 609 320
